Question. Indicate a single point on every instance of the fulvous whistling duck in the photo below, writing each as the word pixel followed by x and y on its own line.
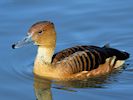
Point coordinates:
pixel 75 63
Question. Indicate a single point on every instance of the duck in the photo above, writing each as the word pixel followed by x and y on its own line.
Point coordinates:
pixel 75 63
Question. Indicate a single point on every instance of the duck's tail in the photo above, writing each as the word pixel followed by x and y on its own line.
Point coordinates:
pixel 120 56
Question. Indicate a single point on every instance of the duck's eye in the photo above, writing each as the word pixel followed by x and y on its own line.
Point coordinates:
pixel 40 32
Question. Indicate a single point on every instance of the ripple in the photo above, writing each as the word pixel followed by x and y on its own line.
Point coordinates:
pixel 24 71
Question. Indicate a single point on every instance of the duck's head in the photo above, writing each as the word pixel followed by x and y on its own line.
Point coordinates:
pixel 41 33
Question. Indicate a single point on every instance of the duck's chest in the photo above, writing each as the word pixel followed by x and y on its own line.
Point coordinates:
pixel 41 69
pixel 46 71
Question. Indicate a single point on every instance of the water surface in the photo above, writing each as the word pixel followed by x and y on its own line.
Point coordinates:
pixel 94 22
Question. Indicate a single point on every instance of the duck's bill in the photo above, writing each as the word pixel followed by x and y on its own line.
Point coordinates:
pixel 25 41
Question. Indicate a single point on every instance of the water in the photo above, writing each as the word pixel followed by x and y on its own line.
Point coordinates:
pixel 94 22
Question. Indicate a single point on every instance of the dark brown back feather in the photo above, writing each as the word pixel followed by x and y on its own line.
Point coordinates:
pixel 67 52
pixel 86 58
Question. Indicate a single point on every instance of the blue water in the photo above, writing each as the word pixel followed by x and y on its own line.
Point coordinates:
pixel 94 22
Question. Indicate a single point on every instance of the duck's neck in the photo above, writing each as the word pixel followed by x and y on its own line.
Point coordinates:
pixel 45 54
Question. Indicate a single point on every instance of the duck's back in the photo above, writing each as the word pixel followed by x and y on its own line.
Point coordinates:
pixel 87 58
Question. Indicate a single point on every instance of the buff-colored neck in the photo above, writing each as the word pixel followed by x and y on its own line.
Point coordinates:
pixel 45 54
pixel 42 65
pixel 46 47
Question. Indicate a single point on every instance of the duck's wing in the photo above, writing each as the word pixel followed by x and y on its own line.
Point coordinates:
pixel 86 58
pixel 69 51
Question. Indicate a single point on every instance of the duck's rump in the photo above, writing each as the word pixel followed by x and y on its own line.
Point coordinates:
pixel 86 58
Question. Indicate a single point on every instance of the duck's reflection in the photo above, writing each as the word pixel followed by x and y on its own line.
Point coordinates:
pixel 43 87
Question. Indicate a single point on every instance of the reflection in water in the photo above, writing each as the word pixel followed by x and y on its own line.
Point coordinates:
pixel 97 82
pixel 42 87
